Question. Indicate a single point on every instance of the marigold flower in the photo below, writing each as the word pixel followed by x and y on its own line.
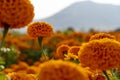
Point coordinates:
pixel 40 29
pixel 61 70
pixel 74 50
pixel 32 70
pixel 70 42
pixel 16 13
pixel 22 66
pixel 21 76
pixel 101 36
pixel 14 67
pixel 100 54
pixel 61 50
pixel 8 70
pixel 37 63
pixel 72 53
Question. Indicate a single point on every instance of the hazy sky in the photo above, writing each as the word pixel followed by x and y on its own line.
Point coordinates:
pixel 46 8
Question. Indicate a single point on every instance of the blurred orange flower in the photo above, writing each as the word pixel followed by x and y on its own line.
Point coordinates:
pixel 100 54
pixel 39 29
pixel 74 50
pixel 61 50
pixel 101 36
pixel 61 70
pixel 21 76
pixel 16 13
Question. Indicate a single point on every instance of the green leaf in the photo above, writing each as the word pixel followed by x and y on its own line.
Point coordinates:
pixel 114 78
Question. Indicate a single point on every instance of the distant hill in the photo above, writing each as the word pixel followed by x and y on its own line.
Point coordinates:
pixel 85 15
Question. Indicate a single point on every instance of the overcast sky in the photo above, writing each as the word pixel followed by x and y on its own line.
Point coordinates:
pixel 46 8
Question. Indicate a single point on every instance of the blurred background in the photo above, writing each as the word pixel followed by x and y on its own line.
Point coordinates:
pixel 81 15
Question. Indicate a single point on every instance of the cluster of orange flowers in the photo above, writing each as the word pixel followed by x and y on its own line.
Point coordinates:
pixel 63 55
pixel 23 67
pixel 101 36
pixel 21 76
pixel 100 52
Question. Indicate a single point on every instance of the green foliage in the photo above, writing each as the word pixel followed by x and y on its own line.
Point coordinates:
pixel 8 56
pixel 114 78
pixel 117 74
pixel 30 54
pixel 68 31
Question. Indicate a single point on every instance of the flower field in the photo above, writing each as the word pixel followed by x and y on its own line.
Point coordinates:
pixel 44 54
pixel 70 55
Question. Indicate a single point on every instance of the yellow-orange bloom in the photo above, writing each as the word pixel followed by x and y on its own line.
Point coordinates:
pixel 8 70
pixel 61 70
pixel 72 53
pixel 70 56
pixel 21 76
pixel 40 29
pixel 70 42
pixel 100 54
pixel 22 65
pixel 32 70
pixel 74 50
pixel 61 50
pixel 101 36
pixel 16 13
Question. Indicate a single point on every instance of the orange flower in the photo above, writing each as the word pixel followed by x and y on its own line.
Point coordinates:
pixel 16 13
pixel 61 70
pixel 74 50
pixel 40 29
pixel 70 42
pixel 14 67
pixel 101 36
pixel 100 54
pixel 22 66
pixel 32 70
pixel 72 53
pixel 8 70
pixel 21 76
pixel 37 63
pixel 61 50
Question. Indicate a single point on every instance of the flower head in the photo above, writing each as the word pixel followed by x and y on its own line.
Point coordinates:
pixel 74 50
pixel 40 29
pixel 101 36
pixel 100 54
pixel 21 76
pixel 16 13
pixel 61 50
pixel 61 70
pixel 70 42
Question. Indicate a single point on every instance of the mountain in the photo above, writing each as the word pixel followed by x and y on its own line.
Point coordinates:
pixel 86 15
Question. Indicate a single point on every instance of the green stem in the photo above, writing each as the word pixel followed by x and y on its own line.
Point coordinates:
pixel 40 44
pixel 105 73
pixel 6 28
